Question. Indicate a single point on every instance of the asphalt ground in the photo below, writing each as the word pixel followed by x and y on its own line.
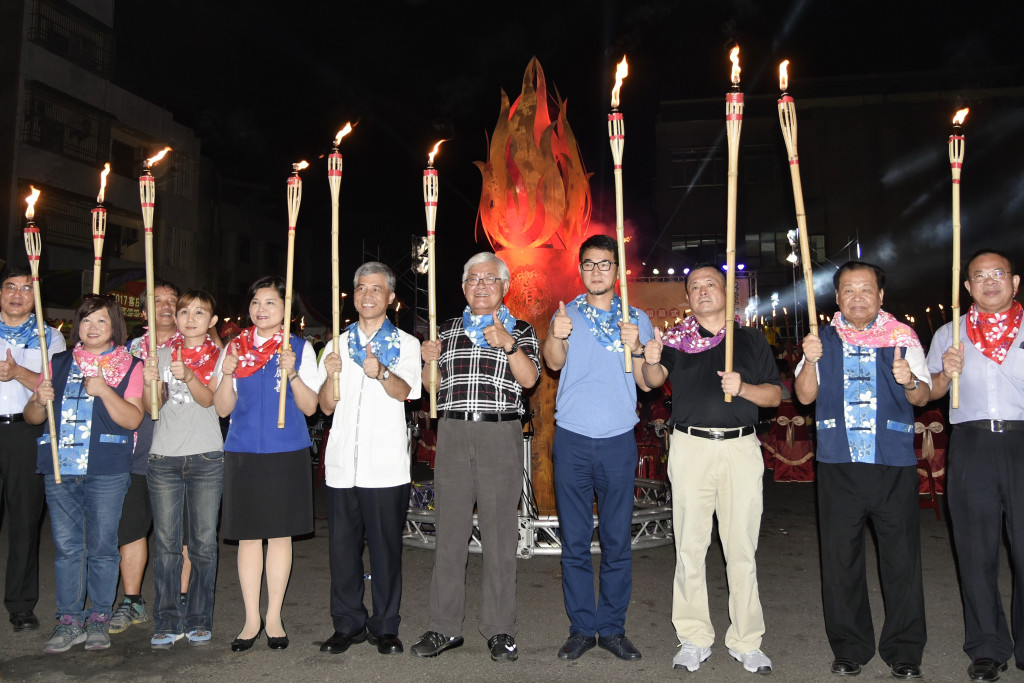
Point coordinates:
pixel 789 580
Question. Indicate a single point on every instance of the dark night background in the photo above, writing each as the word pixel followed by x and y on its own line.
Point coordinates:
pixel 265 85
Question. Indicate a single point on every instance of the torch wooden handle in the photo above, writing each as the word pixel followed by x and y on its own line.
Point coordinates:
pixel 432 315
pixel 286 341
pixel 51 420
pixel 788 122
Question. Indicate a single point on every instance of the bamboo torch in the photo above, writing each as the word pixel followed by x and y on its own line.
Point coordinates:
pixel 147 195
pixel 617 139
pixel 956 162
pixel 733 123
pixel 787 119
pixel 99 230
pixel 334 177
pixel 34 247
pixel 294 199
pixel 430 188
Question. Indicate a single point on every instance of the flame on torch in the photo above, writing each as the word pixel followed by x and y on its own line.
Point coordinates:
pixel 30 213
pixel 430 157
pixel 342 133
pixel 958 119
pixel 621 71
pixel 103 182
pixel 734 55
pixel 301 166
pixel 783 75
pixel 158 157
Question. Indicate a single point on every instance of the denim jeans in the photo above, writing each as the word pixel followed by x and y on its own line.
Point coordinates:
pixel 84 514
pixel 177 482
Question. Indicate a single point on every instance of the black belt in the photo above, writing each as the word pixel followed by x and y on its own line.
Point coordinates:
pixel 478 417
pixel 717 434
pixel 11 419
pixel 997 426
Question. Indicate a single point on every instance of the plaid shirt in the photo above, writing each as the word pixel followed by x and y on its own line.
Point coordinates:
pixel 478 379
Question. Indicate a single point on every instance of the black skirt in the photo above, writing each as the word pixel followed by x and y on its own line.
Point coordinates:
pixel 267 495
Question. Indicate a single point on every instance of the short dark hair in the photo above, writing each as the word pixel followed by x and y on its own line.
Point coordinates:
pixel 702 266
pixel 163 284
pixel 94 302
pixel 602 242
pixel 266 282
pixel 200 295
pixel 15 270
pixel 970 260
pixel 859 265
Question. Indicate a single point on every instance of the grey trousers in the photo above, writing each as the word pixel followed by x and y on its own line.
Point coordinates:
pixel 477 463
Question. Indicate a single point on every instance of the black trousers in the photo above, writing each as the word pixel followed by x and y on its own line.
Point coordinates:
pixel 984 482
pixel 849 496
pixel 23 496
pixel 379 516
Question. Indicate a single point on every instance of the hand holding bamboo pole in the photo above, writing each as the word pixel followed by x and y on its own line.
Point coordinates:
pixel 956 162
pixel 733 124
pixel 294 200
pixel 147 195
pixel 34 248
pixel 617 140
pixel 99 230
pixel 430 192
pixel 787 119
pixel 334 165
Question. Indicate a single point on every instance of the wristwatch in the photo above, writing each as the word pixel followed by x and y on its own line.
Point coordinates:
pixel 913 386
pixel 384 377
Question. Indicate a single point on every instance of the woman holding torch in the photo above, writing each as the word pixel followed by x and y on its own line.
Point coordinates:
pixel 267 484
pixel 96 389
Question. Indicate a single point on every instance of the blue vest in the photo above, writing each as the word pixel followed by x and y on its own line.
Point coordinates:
pixel 894 416
pixel 110 445
pixel 254 420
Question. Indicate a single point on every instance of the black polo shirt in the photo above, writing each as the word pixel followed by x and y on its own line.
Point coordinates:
pixel 697 398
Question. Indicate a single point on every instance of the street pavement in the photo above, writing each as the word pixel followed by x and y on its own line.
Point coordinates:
pixel 790 593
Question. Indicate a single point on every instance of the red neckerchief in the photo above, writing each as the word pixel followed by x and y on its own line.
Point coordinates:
pixel 993 333
pixel 251 357
pixel 200 359
pixel 140 346
pixel 114 364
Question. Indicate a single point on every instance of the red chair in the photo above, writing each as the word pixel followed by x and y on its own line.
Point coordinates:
pixel 788 445
pixel 931 439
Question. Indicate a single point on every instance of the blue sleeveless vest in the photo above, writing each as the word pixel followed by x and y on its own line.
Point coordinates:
pixel 254 420
pixel 110 445
pixel 894 416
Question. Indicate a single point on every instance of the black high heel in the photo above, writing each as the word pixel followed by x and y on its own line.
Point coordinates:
pixel 278 643
pixel 243 644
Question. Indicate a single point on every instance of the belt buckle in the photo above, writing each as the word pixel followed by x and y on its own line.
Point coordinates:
pixel 716 435
pixel 998 426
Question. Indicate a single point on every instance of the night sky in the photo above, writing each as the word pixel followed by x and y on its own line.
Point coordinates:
pixel 266 87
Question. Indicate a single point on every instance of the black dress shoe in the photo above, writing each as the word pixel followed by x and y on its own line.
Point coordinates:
pixel 619 646
pixel 24 621
pixel 904 670
pixel 841 666
pixel 387 644
pixel 340 642
pixel 243 644
pixel 985 669
pixel 576 645
pixel 278 643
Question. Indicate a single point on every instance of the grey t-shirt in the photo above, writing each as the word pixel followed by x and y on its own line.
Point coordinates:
pixel 184 427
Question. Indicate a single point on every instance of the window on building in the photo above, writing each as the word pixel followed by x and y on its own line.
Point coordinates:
pixel 63 125
pixel 63 29
pixel 698 167
pixel 770 249
pixel 700 248
pixel 125 159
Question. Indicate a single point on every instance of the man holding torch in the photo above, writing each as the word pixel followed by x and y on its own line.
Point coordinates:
pixel 486 358
pixel 866 372
pixel 985 468
pixel 20 365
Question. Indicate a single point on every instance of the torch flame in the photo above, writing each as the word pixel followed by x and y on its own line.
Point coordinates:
pixel 31 201
pixel 158 157
pixel 734 55
pixel 960 116
pixel 103 182
pixel 784 75
pixel 342 133
pixel 621 71
pixel 430 157
pixel 301 166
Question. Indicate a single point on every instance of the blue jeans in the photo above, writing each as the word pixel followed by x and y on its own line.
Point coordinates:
pixel 84 514
pixel 176 482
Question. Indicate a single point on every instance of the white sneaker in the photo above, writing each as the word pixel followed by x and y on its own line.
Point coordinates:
pixel 755 661
pixel 690 656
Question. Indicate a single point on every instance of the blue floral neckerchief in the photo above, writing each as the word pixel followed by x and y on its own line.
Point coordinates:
pixel 475 324
pixel 75 427
pixel 384 343
pixel 25 335
pixel 604 324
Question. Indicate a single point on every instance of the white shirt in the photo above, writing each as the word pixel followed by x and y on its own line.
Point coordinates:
pixel 13 394
pixel 369 443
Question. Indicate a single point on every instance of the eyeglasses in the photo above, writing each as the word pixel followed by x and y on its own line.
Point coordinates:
pixel 997 274
pixel 11 288
pixel 604 265
pixel 474 281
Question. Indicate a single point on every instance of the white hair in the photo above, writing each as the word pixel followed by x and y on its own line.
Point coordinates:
pixel 486 257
